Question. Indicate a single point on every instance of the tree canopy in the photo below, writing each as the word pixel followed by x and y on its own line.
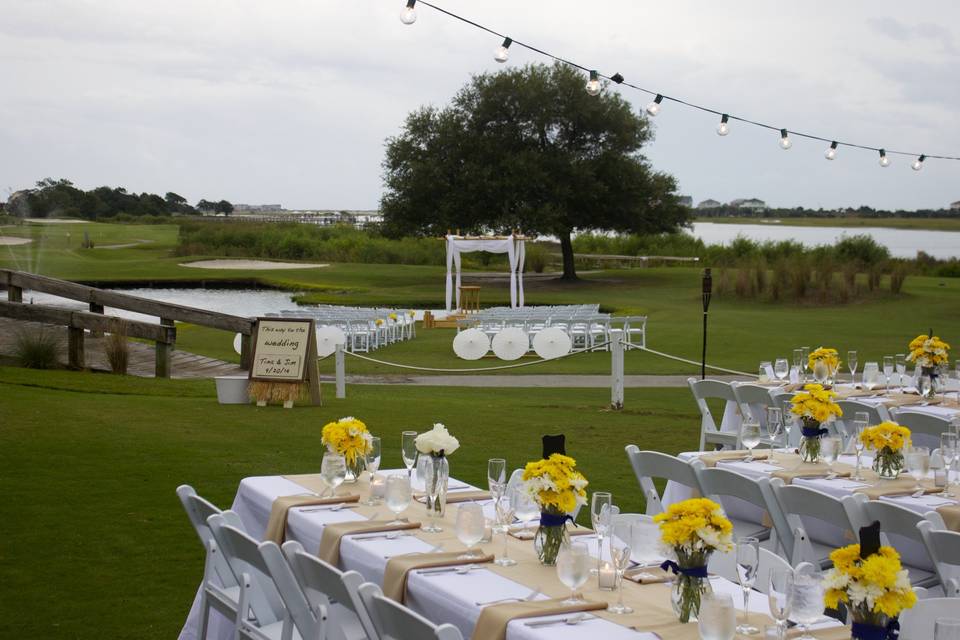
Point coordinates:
pixel 527 148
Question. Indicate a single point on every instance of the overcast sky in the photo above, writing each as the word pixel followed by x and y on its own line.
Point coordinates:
pixel 289 101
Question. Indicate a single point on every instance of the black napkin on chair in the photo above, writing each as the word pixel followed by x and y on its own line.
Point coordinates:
pixel 554 444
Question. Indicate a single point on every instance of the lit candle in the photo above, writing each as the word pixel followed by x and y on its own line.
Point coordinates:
pixel 607 576
pixel 378 485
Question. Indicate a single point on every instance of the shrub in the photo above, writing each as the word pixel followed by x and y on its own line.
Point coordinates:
pixel 38 349
pixel 897 277
pixel 860 249
pixel 537 257
pixel 117 348
pixel 873 277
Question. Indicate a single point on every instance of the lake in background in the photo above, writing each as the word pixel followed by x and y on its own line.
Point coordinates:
pixel 902 243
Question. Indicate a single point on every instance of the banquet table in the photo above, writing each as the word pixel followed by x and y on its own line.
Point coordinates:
pixel 452 597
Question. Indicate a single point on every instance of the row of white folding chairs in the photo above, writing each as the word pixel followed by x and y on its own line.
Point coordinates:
pixel 791 508
pixel 589 332
pixel 365 331
pixel 288 594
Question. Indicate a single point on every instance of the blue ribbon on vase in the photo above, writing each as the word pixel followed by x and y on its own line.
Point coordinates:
pixel 813 432
pixel 555 520
pixel 863 631
pixel 692 572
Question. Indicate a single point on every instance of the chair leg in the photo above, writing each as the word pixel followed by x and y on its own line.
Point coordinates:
pixel 204 614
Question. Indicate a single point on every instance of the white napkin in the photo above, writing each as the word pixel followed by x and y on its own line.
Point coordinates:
pixel 756 468
pixel 384 547
pixel 923 503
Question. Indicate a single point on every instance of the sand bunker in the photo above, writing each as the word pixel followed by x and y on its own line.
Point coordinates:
pixel 262 265
pixel 10 240
pixel 55 221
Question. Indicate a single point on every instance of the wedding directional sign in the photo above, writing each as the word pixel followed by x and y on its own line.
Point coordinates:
pixel 285 350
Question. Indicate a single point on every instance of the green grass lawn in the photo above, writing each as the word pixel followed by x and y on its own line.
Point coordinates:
pixel 933 224
pixel 96 544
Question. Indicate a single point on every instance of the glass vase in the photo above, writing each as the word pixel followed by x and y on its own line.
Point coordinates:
pixel 687 592
pixel 810 441
pixel 436 473
pixel 869 625
pixel 548 541
pixel 888 463
pixel 927 385
pixel 354 469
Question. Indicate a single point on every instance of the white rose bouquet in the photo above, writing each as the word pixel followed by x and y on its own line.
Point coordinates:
pixel 437 442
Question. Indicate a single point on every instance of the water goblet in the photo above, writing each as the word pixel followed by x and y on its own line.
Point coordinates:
pixel 573 569
pixel 806 600
pixel 774 428
pixel 781 369
pixel 333 470
pixel 525 508
pixel 408 450
pixel 861 419
pixel 621 541
pixel 373 464
pixel 763 373
pixel 471 524
pixel 946 629
pixel 505 511
pixel 871 375
pixel 749 436
pixel 778 596
pixel 887 372
pixel 852 365
pixel 748 559
pixel 948 451
pixel 830 447
pixel 398 495
pixel 600 517
pixel 918 464
pixel 717 618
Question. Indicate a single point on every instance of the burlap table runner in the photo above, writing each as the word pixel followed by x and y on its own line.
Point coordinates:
pixel 808 470
pixel 467 496
pixel 333 533
pixel 398 567
pixel 902 486
pixel 711 459
pixel 493 620
pixel 277 524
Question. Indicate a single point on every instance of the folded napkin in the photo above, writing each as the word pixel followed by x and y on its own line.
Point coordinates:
pixel 904 485
pixel 807 470
pixel 277 524
pixel 648 575
pixel 398 567
pixel 493 620
pixel 711 459
pixel 467 496
pixel 333 533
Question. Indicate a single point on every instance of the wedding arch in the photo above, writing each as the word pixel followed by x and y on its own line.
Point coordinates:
pixel 512 245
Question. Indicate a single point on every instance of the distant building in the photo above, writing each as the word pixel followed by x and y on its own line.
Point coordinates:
pixel 748 203
pixel 686 201
pixel 955 206
pixel 258 208
pixel 709 204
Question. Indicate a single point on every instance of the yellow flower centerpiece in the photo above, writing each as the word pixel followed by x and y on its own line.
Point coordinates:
pixel 888 439
pixel 869 580
pixel 693 529
pixel 349 438
pixel 930 353
pixel 559 489
pixel 393 317
pixel 814 406
pixel 824 363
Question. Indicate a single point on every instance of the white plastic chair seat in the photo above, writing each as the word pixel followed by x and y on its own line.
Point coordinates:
pixel 272 631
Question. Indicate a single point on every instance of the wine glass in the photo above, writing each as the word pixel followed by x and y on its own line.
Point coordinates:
pixel 471 524
pixel 748 559
pixel 887 372
pixel 749 437
pixel 918 464
pixel 806 601
pixel 830 447
pixel 860 421
pixel 781 369
pixel 778 596
pixel 621 541
pixel 717 618
pixel 333 470
pixel 900 363
pixel 763 374
pixel 948 451
pixel 497 477
pixel 871 375
pixel 600 517
pixel 408 449
pixel 373 464
pixel 398 495
pixel 805 361
pixel 798 362
pixel 504 509
pixel 573 569
pixel 525 509
pixel 946 629
pixel 774 428
pixel 852 365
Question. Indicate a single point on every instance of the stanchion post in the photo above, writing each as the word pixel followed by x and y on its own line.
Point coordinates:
pixel 341 373
pixel 616 369
pixel 707 294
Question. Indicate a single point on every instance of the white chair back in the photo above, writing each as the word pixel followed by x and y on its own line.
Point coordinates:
pixel 944 549
pixel 710 431
pixel 720 483
pixel 899 528
pixel 925 429
pixel 877 413
pixel 396 622
pixel 309 620
pixel 198 511
pixel 725 565
pixel 754 398
pixel 919 622
pixel 800 503
pixel 648 465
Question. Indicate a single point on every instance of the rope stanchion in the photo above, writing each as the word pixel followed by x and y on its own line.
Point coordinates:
pixel 694 362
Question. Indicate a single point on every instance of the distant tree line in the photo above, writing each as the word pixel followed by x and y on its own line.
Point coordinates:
pixel 863 211
pixel 60 198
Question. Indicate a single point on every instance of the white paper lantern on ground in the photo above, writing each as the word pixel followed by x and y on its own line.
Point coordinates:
pixel 511 343
pixel 471 344
pixel 327 340
pixel 552 342
pixel 238 343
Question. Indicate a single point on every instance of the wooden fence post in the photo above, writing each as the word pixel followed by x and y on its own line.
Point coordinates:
pixel 163 352
pixel 616 369
pixel 96 308
pixel 341 373
pixel 75 354
pixel 246 341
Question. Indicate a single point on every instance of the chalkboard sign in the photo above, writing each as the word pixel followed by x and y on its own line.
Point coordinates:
pixel 285 350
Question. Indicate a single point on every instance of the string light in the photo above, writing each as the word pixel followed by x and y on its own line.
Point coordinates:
pixel 409 14
pixel 785 139
pixel 654 107
pixel 723 128
pixel 502 54
pixel 593 85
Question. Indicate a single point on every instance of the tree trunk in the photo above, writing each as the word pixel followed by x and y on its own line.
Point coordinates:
pixel 566 249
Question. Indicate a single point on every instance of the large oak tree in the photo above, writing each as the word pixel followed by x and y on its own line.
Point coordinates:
pixel 527 148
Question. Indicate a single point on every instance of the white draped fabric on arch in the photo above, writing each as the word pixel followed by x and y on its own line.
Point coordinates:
pixel 512 245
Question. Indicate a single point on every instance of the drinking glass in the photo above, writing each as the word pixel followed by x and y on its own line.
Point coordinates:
pixel 861 419
pixel 900 362
pixel 948 451
pixel 778 597
pixel 748 559
pixel 830 447
pixel 918 464
pixel 781 369
pixel 573 569
pixel 497 477
pixel 621 541
pixel 505 509
pixel 774 428
pixel 798 362
pixel 471 524
pixel 887 372
pixel 333 470
pixel 408 449
pixel 600 518
pixel 763 375
pixel 717 618
pixel 806 599
pixel 946 629
pixel 525 508
pixel 956 368
pixel 871 375
pixel 805 361
pixel 852 365
pixel 373 464
pixel 749 436
pixel 398 495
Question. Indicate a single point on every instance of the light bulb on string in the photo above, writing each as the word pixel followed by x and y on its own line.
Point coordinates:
pixel 918 163
pixel 502 54
pixel 654 107
pixel 785 139
pixel 593 85
pixel 723 128
pixel 832 151
pixel 409 14
pixel 884 160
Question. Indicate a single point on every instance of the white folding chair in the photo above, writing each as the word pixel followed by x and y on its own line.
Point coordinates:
pixel 919 622
pixel 944 549
pixel 723 483
pixel 710 433
pixel 754 398
pixel 898 525
pixel 648 465
pixel 925 429
pixel 800 505
pixel 394 621
pixel 877 413
pixel 326 586
pixel 262 615
pixel 725 565
pixel 635 331
pixel 220 589
pixel 308 618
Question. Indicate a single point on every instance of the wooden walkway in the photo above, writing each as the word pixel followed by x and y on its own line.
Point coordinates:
pixel 142 356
